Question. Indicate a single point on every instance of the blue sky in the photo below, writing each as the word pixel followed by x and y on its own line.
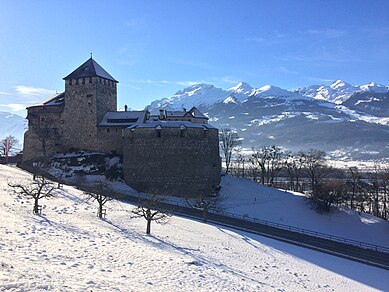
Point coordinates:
pixel 155 48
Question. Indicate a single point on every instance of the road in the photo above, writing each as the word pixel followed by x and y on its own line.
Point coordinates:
pixel 347 251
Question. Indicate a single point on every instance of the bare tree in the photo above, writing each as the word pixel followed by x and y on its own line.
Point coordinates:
pixel 328 193
pixel 151 210
pixel 12 145
pixel 206 202
pixel 294 165
pixel 267 160
pixel 229 141
pixel 258 160
pixel 36 189
pixel 274 164
pixel 315 165
pixel 354 180
pixel 100 195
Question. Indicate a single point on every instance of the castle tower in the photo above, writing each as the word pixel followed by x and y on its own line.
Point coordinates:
pixel 90 92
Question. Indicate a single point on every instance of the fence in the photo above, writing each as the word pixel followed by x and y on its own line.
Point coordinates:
pixel 317 234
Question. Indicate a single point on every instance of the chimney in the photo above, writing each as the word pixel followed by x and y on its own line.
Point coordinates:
pixel 161 114
pixel 125 108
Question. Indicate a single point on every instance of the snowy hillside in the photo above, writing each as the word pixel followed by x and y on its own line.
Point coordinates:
pixel 11 124
pixel 293 209
pixel 68 248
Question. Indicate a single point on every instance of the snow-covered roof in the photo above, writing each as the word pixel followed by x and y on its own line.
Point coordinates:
pixel 193 112
pixel 56 99
pixel 197 114
pixel 125 118
pixel 171 124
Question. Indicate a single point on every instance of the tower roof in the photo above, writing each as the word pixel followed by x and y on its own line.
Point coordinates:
pixel 90 69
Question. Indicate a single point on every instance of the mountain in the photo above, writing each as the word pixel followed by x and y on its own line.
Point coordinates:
pixel 373 103
pixel 349 122
pixel 339 91
pixel 11 124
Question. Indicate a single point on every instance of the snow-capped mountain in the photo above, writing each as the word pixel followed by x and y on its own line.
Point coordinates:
pixel 11 124
pixel 339 91
pixel 345 120
pixel 204 94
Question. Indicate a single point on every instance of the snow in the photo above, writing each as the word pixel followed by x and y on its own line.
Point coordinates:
pixel 374 87
pixel 230 99
pixel 269 91
pixel 338 92
pixel 354 115
pixel 69 248
pixel 293 209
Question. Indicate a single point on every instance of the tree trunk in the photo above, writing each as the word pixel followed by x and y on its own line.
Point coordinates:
pixel 36 206
pixel 205 214
pixel 148 229
pixel 100 212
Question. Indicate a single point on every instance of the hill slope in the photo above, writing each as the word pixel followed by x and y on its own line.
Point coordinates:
pixel 68 248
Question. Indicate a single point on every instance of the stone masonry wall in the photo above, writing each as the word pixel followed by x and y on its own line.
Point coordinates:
pixel 86 102
pixel 171 164
pixel 44 123
pixel 110 139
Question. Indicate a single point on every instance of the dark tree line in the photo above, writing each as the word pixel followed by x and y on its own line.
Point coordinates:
pixel 308 171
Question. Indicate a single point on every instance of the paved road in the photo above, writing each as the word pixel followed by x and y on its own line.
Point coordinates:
pixel 351 252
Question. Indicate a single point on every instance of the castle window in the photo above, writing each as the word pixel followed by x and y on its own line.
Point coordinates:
pixel 76 81
pixel 90 79
pixel 158 130
pixel 183 132
pixel 206 132
pixel 108 130
pixel 83 80
pixel 70 82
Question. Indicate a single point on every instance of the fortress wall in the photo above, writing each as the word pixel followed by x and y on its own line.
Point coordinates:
pixel 45 125
pixel 110 139
pixel 172 164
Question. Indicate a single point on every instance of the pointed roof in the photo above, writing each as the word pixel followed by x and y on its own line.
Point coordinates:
pixel 90 69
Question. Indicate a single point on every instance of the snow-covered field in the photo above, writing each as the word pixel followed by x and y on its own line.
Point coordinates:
pixel 68 249
pixel 247 198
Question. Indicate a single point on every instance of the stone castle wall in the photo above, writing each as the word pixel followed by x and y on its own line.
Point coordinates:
pixel 86 102
pixel 172 164
pixel 45 130
pixel 110 139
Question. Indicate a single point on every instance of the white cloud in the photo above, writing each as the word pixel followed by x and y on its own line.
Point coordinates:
pixel 14 106
pixel 229 79
pixel 4 93
pixel 285 70
pixel 328 33
pixel 36 91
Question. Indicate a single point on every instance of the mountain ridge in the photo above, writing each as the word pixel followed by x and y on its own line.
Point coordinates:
pixel 349 122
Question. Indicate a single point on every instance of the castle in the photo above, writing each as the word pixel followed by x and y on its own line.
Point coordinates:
pixel 170 153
